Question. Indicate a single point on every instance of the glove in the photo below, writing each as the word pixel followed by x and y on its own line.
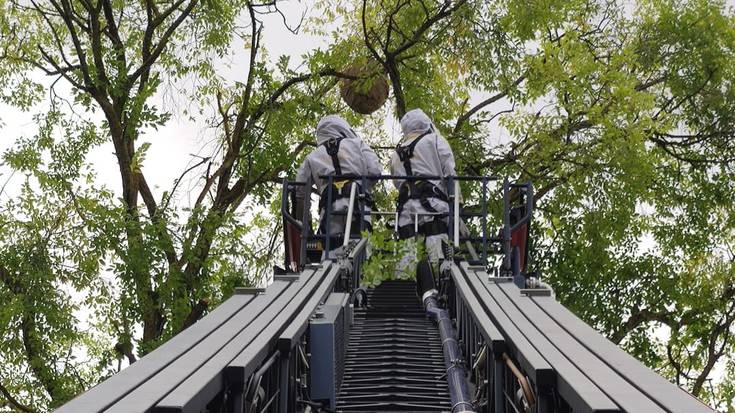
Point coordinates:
pixel 445 267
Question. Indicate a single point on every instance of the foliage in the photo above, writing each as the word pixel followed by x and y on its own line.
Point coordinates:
pixel 385 253
pixel 55 243
pixel 623 121
pixel 621 115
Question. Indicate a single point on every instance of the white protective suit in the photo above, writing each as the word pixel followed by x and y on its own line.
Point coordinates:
pixel 355 158
pixel 432 156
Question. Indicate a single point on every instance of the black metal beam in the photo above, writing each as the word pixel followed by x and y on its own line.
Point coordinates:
pixel 530 359
pixel 203 385
pixel 243 365
pixel 116 387
pixel 580 392
pixel 665 393
pixel 290 336
pixel 151 391
pixel 606 379
pixel 488 330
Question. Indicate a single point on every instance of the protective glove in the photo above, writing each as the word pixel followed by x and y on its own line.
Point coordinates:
pixel 445 266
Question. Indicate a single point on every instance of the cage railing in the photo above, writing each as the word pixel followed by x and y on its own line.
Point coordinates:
pixel 483 243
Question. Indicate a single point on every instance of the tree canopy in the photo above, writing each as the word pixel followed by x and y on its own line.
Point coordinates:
pixel 622 114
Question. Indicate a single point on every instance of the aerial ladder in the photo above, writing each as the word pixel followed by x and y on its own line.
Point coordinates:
pixel 494 339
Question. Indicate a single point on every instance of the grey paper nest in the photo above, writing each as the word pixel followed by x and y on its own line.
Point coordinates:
pixel 368 92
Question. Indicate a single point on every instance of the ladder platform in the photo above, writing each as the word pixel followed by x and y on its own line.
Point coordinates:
pixel 394 356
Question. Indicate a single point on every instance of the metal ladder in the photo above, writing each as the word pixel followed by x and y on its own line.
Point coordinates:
pixel 394 358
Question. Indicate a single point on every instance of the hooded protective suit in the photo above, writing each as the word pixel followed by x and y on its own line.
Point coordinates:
pixel 354 157
pixel 431 155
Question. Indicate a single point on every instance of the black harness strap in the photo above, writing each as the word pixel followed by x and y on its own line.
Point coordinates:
pixel 343 192
pixel 421 190
pixel 405 153
pixel 409 188
pixel 332 147
pixel 340 190
pixel 435 227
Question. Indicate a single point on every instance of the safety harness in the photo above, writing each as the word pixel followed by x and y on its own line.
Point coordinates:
pixel 341 189
pixel 338 188
pixel 405 153
pixel 332 147
pixel 422 190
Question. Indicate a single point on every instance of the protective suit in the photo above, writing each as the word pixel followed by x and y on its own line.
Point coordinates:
pixel 422 152
pixel 339 152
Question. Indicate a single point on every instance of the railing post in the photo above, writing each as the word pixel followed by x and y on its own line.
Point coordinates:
pixel 484 221
pixel 498 396
pixel 284 384
pixel 238 401
pixel 450 195
pixel 506 226
pixel 455 227
pixel 545 401
pixel 363 200
pixel 327 214
pixel 529 210
pixel 306 223
pixel 348 218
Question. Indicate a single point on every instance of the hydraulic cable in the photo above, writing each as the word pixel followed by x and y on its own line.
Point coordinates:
pixel 456 371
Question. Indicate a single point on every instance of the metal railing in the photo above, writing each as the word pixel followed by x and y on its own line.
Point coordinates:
pixel 484 240
pixel 524 190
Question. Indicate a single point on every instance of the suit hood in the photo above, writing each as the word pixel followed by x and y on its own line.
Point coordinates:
pixel 333 126
pixel 415 122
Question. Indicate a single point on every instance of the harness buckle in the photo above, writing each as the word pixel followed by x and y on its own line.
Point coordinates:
pixel 340 184
pixel 332 145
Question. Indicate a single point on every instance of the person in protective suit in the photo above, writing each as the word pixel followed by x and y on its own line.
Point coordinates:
pixel 422 152
pixel 339 152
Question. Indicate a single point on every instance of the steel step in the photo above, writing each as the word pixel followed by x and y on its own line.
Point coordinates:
pixel 394 358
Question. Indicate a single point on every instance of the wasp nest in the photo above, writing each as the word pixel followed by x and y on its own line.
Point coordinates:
pixel 368 92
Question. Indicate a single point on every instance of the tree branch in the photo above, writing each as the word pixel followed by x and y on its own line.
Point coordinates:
pixel 158 49
pixel 444 12
pixel 713 354
pixel 366 37
pixel 64 11
pixel 13 401
pixel 489 101
pixel 637 318
pixel 195 313
pixel 150 203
